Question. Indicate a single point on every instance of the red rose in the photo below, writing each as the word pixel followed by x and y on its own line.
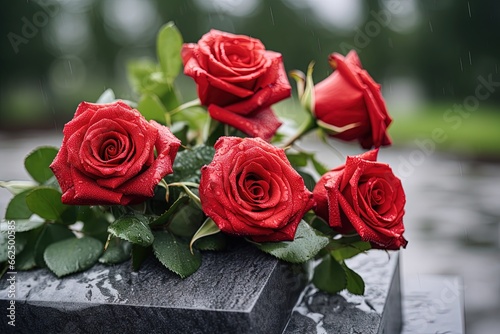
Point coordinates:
pixel 250 189
pixel 238 80
pixel 348 96
pixel 363 195
pixel 108 155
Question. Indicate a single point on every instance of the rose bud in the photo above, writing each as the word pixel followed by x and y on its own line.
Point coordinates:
pixel 251 189
pixel 108 155
pixel 238 80
pixel 363 196
pixel 349 99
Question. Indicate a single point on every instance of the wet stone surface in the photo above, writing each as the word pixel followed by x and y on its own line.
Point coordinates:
pixel 239 291
pixel 378 311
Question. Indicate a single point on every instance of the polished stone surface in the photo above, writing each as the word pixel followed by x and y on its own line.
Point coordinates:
pixel 238 291
pixel 378 311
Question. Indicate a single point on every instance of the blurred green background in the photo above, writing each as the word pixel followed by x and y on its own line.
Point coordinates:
pixel 429 56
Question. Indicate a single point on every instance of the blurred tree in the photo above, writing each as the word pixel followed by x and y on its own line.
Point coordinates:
pixel 446 48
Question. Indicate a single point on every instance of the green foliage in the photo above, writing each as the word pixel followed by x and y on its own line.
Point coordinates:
pixel 46 202
pixel 24 225
pixel 17 187
pixel 25 260
pixel 168 46
pixel 309 181
pixel 329 276
pixel 214 242
pixel 133 228
pixel 38 161
pixel 186 221
pixel 49 234
pixel 208 228
pixel 307 243
pixel 18 246
pixel 17 207
pixel 72 255
pixel 139 255
pixel 342 251
pixel 146 77
pixel 333 276
pixel 152 108
pixel 355 283
pixel 174 254
pixel 118 251
pixel 167 215
pixel 188 163
pixel 195 118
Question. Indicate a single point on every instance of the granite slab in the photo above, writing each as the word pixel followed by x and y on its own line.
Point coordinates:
pixel 377 311
pixel 239 291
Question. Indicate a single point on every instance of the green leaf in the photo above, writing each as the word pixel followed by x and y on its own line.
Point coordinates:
pixel 307 243
pixel 68 216
pixel 37 163
pixel 107 96
pixel 18 242
pixel 355 283
pixel 318 166
pixel 17 187
pixel 72 255
pixel 180 130
pixel 146 77
pixel 214 132
pixel 17 207
pixel 298 159
pixel 195 117
pixel 213 242
pixel 139 254
pixel 96 227
pixel 45 202
pixel 165 217
pixel 50 234
pixel 118 251
pixel 188 163
pixel 25 260
pixel 329 276
pixel 23 225
pixel 132 228
pixel 169 98
pixel 187 220
pixel 322 226
pixel 208 228
pixel 168 47
pixel 300 79
pixel 307 99
pixel 151 108
pixel 174 254
pixel 346 251
pixel 309 181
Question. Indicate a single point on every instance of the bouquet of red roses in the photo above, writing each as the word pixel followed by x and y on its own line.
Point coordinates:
pixel 178 179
